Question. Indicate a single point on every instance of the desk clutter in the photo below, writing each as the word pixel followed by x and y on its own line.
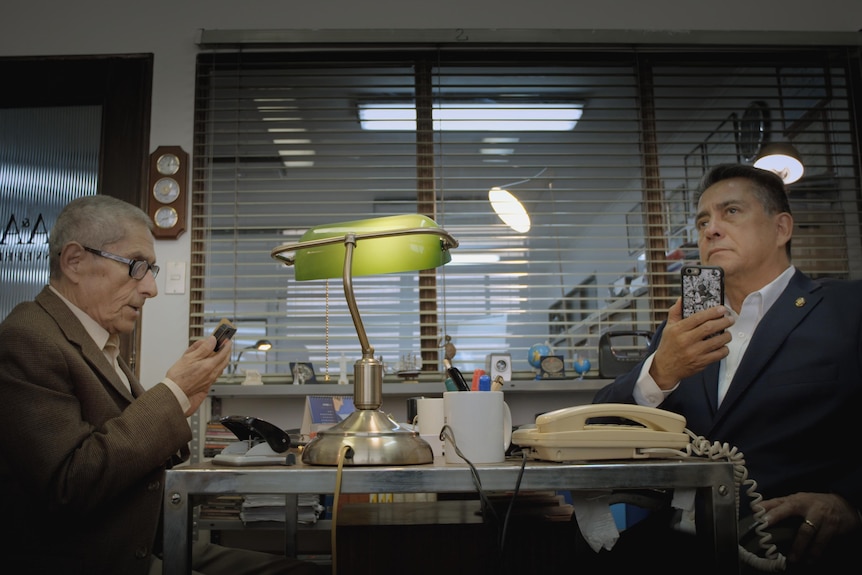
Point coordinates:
pixel 253 508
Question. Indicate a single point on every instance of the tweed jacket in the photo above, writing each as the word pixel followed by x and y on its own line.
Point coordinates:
pixel 83 460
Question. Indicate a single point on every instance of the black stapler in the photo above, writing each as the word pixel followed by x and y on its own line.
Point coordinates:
pixel 260 442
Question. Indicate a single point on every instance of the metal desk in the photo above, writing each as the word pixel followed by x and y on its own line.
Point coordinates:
pixel 712 479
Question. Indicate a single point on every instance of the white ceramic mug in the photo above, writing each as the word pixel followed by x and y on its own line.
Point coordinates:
pixel 480 423
pixel 429 422
pixel 429 415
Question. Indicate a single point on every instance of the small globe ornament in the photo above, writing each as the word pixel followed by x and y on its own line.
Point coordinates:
pixel 581 366
pixel 535 354
pixel 537 351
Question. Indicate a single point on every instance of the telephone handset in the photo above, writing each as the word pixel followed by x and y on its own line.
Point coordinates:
pixel 260 442
pixel 583 432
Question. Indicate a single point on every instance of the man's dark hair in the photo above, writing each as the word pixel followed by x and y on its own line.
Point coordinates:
pixel 767 187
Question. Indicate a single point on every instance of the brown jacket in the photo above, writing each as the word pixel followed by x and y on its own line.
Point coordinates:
pixel 83 461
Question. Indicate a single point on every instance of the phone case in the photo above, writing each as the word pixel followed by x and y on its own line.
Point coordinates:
pixel 702 288
pixel 224 330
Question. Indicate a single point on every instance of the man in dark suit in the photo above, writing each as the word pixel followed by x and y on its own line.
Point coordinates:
pixel 782 382
pixel 84 445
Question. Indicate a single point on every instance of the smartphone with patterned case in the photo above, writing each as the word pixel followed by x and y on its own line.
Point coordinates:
pixel 702 288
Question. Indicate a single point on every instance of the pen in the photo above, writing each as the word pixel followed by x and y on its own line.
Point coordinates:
pixel 457 377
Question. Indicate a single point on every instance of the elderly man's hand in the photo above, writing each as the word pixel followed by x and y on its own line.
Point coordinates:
pixel 198 369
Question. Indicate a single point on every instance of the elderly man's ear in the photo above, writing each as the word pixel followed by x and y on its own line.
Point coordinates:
pixel 71 259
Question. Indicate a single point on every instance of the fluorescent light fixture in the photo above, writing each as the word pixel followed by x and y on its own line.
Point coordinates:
pixel 469 259
pixel 474 116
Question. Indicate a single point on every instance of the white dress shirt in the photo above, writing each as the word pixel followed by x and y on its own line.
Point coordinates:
pixel 754 307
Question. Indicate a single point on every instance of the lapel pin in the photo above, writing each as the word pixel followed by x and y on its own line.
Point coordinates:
pixel 800 301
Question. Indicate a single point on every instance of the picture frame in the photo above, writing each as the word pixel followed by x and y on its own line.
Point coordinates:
pixel 304 371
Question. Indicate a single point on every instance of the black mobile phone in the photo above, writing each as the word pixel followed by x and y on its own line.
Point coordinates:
pixel 223 331
pixel 702 288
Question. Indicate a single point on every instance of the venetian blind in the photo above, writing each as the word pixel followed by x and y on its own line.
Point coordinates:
pixel 280 148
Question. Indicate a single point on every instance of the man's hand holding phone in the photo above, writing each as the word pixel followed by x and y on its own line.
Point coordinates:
pixel 686 347
pixel 201 365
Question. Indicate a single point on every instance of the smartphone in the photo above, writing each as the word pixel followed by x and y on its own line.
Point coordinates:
pixel 702 288
pixel 223 331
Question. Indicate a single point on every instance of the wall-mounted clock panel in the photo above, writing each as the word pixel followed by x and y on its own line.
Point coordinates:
pixel 167 197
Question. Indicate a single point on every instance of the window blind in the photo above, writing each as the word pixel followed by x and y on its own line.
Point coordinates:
pixel 279 148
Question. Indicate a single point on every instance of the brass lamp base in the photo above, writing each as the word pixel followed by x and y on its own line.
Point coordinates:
pixel 374 439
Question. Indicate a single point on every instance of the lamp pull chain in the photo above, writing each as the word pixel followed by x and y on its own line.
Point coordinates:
pixel 326 335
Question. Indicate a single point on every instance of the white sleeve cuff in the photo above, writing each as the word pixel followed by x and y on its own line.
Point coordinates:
pixel 184 402
pixel 646 391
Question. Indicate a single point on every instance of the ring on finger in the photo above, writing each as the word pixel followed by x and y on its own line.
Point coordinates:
pixel 810 524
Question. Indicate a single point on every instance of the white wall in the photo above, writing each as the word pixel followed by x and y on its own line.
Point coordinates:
pixel 168 29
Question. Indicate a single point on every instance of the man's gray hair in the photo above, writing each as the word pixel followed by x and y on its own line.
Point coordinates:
pixel 93 221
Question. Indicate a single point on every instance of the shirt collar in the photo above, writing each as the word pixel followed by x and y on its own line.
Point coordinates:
pixel 768 294
pixel 99 334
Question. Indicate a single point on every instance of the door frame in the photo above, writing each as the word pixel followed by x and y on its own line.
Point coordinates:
pixel 122 86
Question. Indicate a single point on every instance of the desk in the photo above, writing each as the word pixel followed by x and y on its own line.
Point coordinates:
pixel 712 479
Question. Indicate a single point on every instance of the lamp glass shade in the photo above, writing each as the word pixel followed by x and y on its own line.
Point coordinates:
pixel 783 159
pixel 389 253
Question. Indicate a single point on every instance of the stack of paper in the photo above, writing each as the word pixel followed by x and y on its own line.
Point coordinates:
pixel 272 508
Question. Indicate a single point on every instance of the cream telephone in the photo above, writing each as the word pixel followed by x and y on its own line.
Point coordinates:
pixel 568 434
pixel 578 434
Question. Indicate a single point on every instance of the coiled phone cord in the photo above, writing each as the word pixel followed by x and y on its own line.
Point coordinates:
pixel 772 561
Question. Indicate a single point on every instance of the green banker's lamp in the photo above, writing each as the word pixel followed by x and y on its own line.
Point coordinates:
pixel 388 245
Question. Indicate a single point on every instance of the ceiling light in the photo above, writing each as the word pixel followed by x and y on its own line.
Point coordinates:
pixel 474 116
pixel 783 159
pixel 509 209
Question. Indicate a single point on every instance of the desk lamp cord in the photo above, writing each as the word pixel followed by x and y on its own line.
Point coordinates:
pixel 487 508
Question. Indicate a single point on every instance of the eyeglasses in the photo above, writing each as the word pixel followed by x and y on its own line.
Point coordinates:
pixel 137 268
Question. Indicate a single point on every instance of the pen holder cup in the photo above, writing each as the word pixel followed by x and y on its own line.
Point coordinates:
pixel 480 423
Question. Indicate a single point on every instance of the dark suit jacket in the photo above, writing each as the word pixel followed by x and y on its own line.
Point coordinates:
pixel 794 407
pixel 83 460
